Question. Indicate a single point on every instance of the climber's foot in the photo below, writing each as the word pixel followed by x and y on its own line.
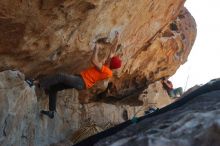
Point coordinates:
pixel 50 114
pixel 32 82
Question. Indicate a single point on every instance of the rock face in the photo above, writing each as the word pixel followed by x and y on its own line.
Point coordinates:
pixel 195 123
pixel 19 117
pixel 21 123
pixel 43 37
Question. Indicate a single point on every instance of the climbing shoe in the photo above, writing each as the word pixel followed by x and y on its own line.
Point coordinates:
pixel 33 82
pixel 50 114
pixel 30 82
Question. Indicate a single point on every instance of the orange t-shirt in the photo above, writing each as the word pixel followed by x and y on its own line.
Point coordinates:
pixel 92 75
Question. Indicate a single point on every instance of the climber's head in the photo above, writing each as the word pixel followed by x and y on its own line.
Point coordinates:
pixel 115 62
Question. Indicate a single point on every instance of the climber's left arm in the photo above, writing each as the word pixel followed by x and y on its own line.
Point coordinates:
pixel 95 61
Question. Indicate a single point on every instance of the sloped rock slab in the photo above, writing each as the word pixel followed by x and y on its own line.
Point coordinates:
pixel 192 120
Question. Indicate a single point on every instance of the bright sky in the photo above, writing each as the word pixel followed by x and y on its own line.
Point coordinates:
pixel 202 64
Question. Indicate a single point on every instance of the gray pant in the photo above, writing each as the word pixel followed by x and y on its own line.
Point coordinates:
pixel 176 92
pixel 53 84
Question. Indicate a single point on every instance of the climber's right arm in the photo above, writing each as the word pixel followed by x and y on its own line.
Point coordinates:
pixel 168 84
pixel 95 61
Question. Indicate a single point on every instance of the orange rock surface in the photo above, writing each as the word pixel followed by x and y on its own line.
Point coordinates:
pixel 43 37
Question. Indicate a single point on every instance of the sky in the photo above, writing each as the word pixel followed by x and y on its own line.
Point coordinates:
pixel 202 63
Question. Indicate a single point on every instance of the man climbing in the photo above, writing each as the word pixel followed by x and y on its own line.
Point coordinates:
pixel 170 90
pixel 86 79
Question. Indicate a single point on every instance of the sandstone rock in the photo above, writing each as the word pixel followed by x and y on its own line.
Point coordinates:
pixel 42 37
pixel 20 120
pixel 160 56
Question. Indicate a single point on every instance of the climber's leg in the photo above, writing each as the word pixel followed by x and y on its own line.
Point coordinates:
pixel 52 91
pixel 66 82
pixel 72 81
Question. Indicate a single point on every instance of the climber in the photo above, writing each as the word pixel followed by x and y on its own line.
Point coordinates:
pixel 86 79
pixel 177 92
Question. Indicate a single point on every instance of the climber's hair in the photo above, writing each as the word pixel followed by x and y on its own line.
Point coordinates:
pixel 164 78
pixel 103 41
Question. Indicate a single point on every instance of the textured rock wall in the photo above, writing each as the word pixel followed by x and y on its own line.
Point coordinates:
pixel 196 123
pixel 161 55
pixel 42 37
pixel 20 121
